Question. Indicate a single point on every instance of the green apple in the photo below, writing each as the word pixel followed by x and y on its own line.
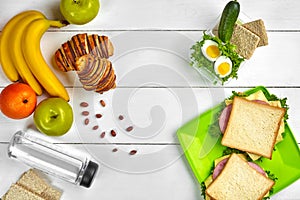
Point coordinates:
pixel 79 11
pixel 53 116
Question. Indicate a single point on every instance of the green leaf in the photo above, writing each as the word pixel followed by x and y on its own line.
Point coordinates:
pixel 203 189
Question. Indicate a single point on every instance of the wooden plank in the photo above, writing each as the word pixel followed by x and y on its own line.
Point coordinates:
pixel 154 113
pixel 169 15
pixel 161 59
pixel 113 182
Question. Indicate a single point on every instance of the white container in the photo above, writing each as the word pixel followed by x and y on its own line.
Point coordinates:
pixel 208 73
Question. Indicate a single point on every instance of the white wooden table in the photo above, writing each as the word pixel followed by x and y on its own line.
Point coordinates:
pixel 157 91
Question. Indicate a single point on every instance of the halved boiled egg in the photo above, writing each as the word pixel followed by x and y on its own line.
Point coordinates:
pixel 210 50
pixel 223 66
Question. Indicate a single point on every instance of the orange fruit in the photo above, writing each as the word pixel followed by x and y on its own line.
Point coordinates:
pixel 17 100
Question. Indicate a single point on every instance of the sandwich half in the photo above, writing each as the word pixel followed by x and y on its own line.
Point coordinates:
pixel 253 127
pixel 238 180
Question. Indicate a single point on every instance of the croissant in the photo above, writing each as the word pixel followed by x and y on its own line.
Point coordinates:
pixel 79 45
pixel 87 55
pixel 95 73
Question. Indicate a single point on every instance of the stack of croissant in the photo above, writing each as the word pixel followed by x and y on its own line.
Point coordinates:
pixel 88 56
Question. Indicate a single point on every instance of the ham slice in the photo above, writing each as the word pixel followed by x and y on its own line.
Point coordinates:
pixel 224 117
pixel 220 166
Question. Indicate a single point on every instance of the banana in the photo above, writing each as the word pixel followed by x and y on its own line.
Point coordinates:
pixel 5 58
pixel 16 51
pixel 32 53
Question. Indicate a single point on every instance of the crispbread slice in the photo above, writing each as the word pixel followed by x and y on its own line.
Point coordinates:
pixel 32 181
pixel 51 194
pixel 17 192
pixel 258 27
pixel 245 41
pixel 253 127
pixel 238 180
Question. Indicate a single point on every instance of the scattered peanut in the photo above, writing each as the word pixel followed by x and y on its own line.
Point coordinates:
pixel 85 113
pixel 86 121
pixel 102 135
pixel 133 152
pixel 113 133
pixel 102 103
pixel 129 128
pixel 98 115
pixel 84 104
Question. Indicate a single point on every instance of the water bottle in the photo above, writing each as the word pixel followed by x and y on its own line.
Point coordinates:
pixel 67 164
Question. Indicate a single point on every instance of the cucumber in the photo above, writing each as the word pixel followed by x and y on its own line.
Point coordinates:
pixel 228 19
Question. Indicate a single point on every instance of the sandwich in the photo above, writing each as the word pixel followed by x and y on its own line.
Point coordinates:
pixel 253 127
pixel 252 124
pixel 235 178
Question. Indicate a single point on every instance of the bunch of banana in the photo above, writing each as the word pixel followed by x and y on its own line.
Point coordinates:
pixel 21 57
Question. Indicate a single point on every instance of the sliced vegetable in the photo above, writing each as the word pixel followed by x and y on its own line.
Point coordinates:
pixel 228 19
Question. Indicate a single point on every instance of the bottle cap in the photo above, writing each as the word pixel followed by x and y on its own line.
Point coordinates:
pixel 89 174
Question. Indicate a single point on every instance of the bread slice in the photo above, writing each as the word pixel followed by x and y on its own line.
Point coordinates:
pixel 253 127
pixel 17 192
pixel 246 42
pixel 32 182
pixel 238 180
pixel 258 27
pixel 51 194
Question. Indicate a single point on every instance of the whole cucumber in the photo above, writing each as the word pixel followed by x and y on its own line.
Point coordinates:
pixel 228 19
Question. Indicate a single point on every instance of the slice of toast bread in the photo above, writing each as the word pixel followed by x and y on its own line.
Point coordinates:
pixel 258 28
pixel 33 182
pixel 17 192
pixel 238 180
pixel 246 41
pixel 32 186
pixel 253 127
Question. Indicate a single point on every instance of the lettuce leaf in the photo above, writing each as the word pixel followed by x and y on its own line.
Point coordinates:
pixel 227 49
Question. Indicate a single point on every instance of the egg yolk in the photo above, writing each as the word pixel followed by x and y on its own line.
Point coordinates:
pixel 223 68
pixel 212 51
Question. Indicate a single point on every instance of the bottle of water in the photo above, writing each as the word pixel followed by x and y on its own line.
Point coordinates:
pixel 67 164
